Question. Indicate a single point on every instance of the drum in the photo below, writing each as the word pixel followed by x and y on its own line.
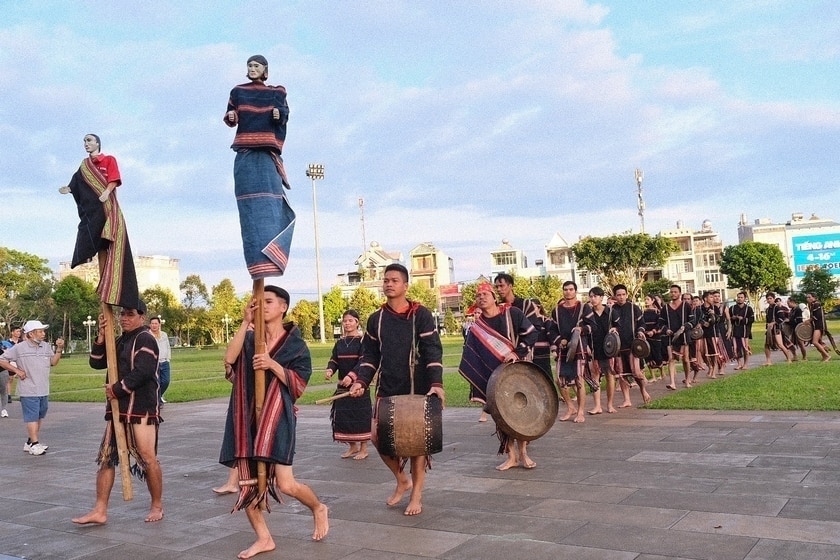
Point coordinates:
pixel 409 425
pixel 612 344
pixel 522 400
pixel 804 331
pixel 696 333
pixel 640 348
pixel 572 348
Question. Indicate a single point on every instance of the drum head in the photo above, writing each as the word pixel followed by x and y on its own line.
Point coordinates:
pixel 572 349
pixel 804 331
pixel 697 333
pixel 522 400
pixel 640 348
pixel 612 344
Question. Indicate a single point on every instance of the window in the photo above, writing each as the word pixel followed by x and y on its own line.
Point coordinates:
pixel 502 259
pixel 712 277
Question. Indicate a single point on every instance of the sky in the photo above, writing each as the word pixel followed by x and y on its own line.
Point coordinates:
pixel 459 123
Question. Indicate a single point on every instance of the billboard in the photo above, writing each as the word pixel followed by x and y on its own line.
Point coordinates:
pixel 816 250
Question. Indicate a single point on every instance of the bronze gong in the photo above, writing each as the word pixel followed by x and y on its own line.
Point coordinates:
pixel 804 331
pixel 612 344
pixel 522 400
pixel 640 348
pixel 572 348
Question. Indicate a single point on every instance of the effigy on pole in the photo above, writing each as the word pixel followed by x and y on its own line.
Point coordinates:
pixel 102 233
pixel 260 113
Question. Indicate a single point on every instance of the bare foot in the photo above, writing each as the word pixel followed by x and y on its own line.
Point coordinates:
pixel 688 385
pixel 510 463
pixel 260 546
pixel 92 518
pixel 322 522
pixel 611 410
pixel 414 507
pixel 528 463
pixel 569 413
pixel 226 489
pixel 483 417
pixel 626 404
pixel 595 411
pixel 403 486
pixel 579 419
pixel 155 514
pixel 350 452
pixel 361 455
pixel 646 397
pixel 826 359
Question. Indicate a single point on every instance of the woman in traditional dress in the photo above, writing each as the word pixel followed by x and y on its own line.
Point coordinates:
pixel 351 416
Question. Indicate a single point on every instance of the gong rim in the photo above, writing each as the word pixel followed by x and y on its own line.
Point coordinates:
pixel 804 331
pixel 612 344
pixel 640 348
pixel 574 342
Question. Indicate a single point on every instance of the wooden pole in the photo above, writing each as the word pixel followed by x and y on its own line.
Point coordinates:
pixel 259 379
pixel 119 428
pixel 113 377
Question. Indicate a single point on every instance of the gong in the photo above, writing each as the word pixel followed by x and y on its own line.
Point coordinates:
pixel 640 348
pixel 804 331
pixel 678 334
pixel 696 333
pixel 787 331
pixel 572 348
pixel 522 400
pixel 612 344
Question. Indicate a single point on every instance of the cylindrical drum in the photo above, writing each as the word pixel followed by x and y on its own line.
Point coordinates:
pixel 522 400
pixel 409 425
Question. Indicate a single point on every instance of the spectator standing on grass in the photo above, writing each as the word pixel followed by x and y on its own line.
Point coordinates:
pixel 14 338
pixel 164 355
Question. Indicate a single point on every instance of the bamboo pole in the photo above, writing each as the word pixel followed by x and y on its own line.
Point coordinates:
pixel 113 377
pixel 333 398
pixel 259 379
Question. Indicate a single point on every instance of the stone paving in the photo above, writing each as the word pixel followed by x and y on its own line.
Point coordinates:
pixel 638 484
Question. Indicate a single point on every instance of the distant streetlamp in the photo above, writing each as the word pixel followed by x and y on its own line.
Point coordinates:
pixel 226 321
pixel 316 171
pixel 89 323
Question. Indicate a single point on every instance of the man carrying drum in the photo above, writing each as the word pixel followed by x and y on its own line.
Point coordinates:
pixel 499 335
pixel 401 342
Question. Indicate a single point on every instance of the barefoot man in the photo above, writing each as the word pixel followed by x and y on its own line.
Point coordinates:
pixel 401 336
pixel 287 366
pixel 498 335
pixel 627 322
pixel 138 392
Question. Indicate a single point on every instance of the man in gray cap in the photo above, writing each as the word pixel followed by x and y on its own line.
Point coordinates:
pixel 33 359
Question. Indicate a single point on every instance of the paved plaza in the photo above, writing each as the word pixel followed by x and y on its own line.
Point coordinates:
pixel 637 484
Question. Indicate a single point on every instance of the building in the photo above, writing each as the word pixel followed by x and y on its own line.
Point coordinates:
pixel 430 266
pixel 696 265
pixel 152 271
pixel 513 261
pixel 370 269
pixel 803 242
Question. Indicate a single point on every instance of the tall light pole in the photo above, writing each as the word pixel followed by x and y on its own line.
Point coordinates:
pixel 226 321
pixel 314 172
pixel 89 323
pixel 641 202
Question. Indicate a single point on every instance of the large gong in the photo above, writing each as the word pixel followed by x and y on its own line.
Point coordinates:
pixel 804 331
pixel 522 400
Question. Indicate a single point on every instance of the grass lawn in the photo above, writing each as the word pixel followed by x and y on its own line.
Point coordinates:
pixel 197 373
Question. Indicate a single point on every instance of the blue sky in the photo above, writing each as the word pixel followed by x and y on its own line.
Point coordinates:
pixel 459 123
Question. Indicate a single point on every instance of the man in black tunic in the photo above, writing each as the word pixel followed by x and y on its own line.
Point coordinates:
pixel 401 336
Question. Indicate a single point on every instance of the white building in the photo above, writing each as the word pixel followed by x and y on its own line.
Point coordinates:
pixel 804 242
pixel 152 271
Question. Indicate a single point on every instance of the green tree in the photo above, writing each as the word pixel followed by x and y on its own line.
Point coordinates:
pixel 75 299
pixel 821 283
pixel 755 268
pixel 195 297
pixel 223 303
pixel 26 285
pixel 424 294
pixel 659 287
pixel 365 302
pixel 622 259
pixel 547 289
pixel 305 316
pixel 449 322
pixel 334 306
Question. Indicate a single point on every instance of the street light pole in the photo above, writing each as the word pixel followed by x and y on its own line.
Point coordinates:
pixel 316 171
pixel 226 321
pixel 89 323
